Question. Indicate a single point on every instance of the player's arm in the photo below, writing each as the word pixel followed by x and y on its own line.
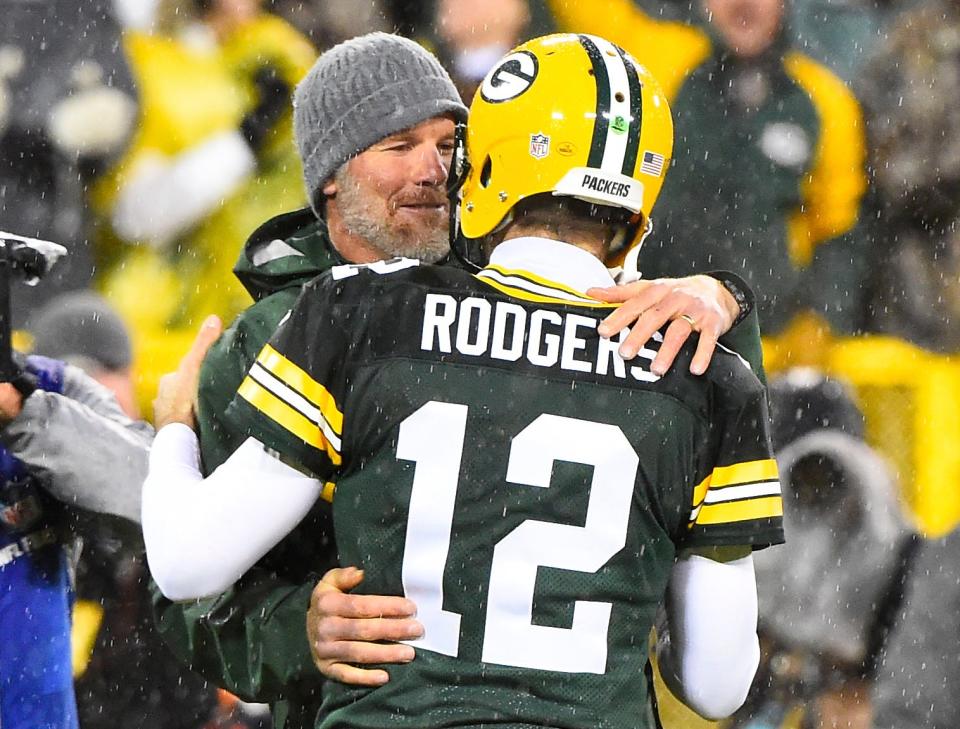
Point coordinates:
pixel 249 639
pixel 201 534
pixel 707 646
pixel 289 405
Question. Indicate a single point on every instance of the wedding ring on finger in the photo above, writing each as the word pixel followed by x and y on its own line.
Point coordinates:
pixel 689 320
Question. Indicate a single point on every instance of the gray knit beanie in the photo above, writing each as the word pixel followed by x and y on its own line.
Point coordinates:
pixel 80 327
pixel 361 91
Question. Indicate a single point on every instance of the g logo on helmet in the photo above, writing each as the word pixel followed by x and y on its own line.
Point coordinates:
pixel 512 76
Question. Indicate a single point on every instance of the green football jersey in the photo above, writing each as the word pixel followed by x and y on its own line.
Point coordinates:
pixel 491 457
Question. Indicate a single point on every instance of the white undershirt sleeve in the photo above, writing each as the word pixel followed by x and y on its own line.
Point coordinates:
pixel 708 652
pixel 201 534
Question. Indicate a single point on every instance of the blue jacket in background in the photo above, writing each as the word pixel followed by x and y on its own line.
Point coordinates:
pixel 36 681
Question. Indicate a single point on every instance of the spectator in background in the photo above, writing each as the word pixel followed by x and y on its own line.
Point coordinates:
pixel 333 21
pixel 211 158
pixel 82 329
pixel 36 684
pixel 67 109
pixel 473 36
pixel 919 670
pixel 125 674
pixel 826 602
pixel 66 451
pixel 768 173
pixel 910 91
pixel 842 33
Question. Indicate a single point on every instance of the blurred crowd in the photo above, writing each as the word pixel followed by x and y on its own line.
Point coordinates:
pixel 817 155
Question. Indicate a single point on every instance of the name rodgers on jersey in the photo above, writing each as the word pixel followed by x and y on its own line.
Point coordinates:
pixel 506 331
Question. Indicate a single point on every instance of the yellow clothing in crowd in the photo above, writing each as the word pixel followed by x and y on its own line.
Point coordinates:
pixel 191 92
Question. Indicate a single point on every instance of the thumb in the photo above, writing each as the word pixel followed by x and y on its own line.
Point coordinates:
pixel 340 579
pixel 208 334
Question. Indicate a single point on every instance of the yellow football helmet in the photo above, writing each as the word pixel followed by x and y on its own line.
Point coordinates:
pixel 564 114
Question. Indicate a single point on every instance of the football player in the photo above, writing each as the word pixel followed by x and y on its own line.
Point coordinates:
pixel 489 455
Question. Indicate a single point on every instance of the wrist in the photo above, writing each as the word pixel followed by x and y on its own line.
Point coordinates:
pixel 186 419
pixel 737 299
pixel 729 304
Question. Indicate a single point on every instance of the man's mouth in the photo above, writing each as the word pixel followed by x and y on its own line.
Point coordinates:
pixel 432 206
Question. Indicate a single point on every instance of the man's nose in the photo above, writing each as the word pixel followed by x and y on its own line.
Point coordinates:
pixel 430 167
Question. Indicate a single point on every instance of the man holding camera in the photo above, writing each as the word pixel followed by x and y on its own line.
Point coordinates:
pixel 59 430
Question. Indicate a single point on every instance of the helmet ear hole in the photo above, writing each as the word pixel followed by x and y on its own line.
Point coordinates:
pixel 485 172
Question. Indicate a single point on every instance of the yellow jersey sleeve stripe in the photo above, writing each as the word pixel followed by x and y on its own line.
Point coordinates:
pixel 700 491
pixel 746 472
pixel 286 394
pixel 287 417
pixel 736 475
pixel 296 378
pixel 329 489
pixel 724 513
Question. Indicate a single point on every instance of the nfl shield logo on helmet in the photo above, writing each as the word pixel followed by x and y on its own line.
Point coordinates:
pixel 539 146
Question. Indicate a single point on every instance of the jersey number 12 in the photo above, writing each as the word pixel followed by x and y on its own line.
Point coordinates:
pixel 433 438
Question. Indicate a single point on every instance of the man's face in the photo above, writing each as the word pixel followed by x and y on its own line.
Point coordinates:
pixel 233 13
pixel 748 27
pixel 393 194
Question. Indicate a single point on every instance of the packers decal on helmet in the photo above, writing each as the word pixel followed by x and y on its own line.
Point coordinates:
pixel 510 78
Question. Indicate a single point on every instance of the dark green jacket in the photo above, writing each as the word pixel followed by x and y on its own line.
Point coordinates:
pixel 252 639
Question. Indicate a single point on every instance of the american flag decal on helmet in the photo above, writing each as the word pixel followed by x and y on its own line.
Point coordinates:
pixel 652 164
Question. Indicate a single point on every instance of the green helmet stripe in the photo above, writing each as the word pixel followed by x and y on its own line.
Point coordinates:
pixel 601 124
pixel 636 114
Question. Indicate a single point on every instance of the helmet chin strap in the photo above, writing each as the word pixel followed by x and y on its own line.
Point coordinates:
pixel 470 251
pixel 462 248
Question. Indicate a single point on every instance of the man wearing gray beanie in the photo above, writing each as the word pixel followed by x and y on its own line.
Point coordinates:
pixel 374 125
pixel 361 92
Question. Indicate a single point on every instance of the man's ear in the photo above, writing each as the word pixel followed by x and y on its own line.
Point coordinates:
pixel 329 188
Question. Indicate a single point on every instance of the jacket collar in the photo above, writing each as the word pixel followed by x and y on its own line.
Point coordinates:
pixel 287 250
